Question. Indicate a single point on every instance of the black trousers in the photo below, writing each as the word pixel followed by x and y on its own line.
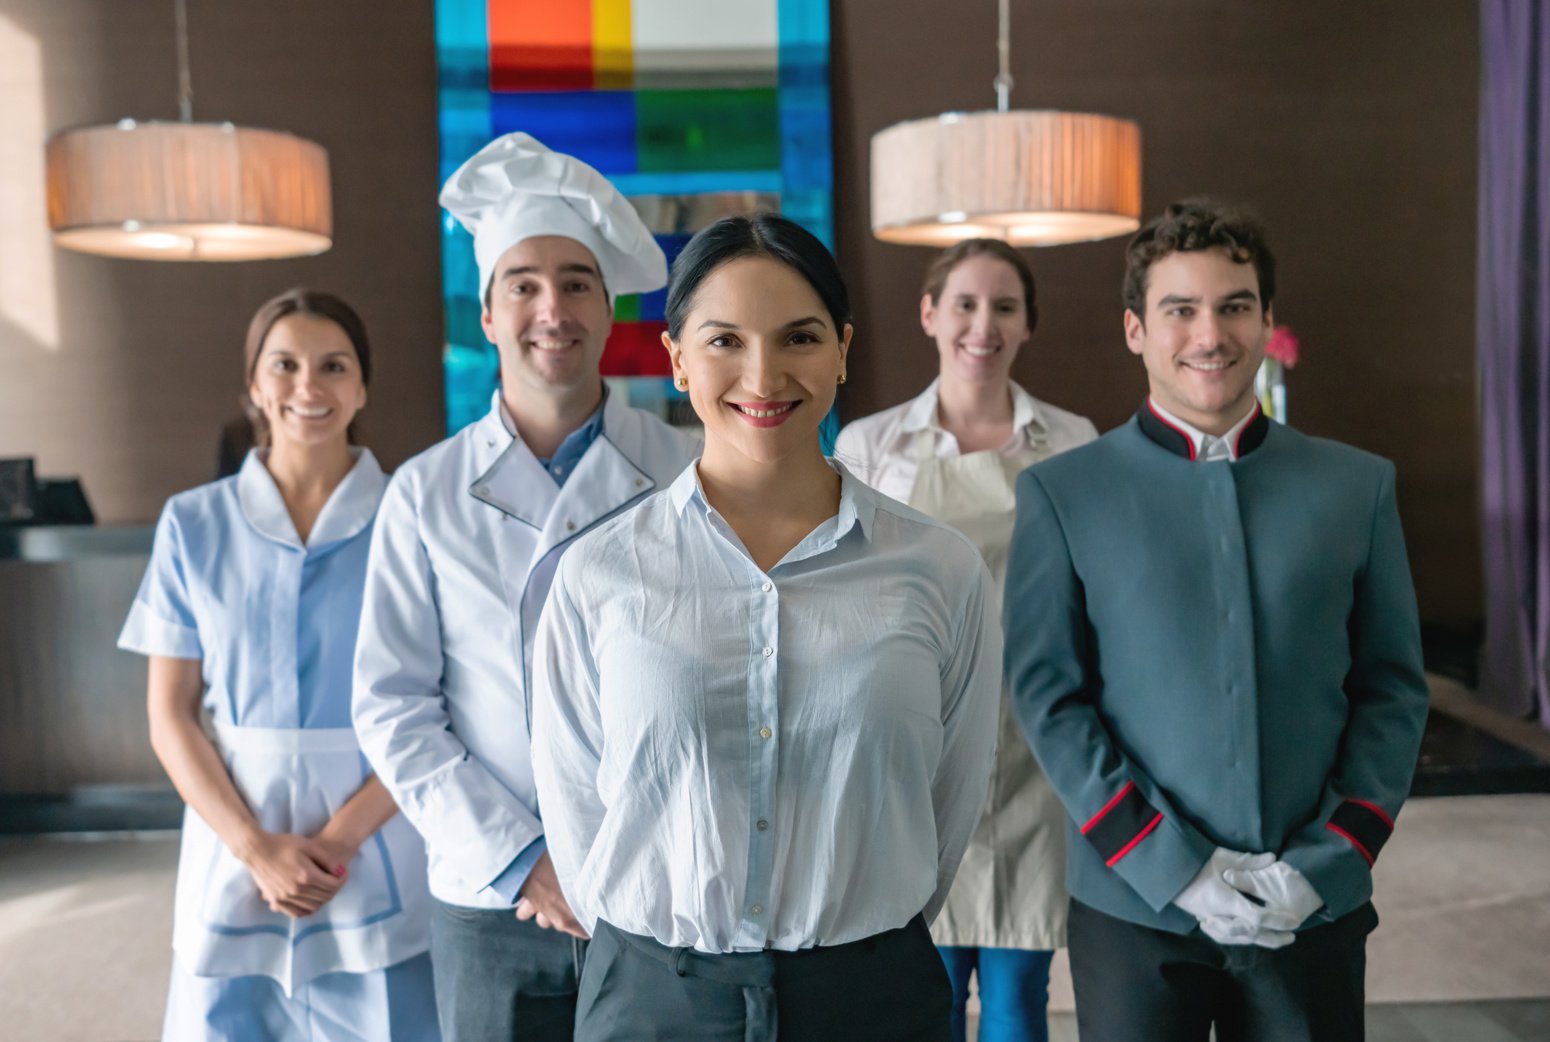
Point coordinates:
pixel 891 987
pixel 1133 982
pixel 498 979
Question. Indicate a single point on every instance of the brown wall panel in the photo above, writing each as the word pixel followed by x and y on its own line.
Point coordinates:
pixel 1349 127
pixel 142 365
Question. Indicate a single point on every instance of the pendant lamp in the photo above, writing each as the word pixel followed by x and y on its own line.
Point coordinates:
pixel 1032 178
pixel 188 191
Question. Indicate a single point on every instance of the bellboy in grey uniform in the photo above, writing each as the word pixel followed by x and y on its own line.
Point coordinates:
pixel 466 543
pixel 1213 648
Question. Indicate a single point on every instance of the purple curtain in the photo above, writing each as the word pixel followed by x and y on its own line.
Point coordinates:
pixel 1513 332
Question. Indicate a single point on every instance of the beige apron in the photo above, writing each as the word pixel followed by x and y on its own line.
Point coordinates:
pixel 1010 890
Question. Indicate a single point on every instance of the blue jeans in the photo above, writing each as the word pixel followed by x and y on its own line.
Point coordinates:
pixel 1013 991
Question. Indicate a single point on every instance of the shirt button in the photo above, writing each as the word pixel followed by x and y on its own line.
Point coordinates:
pixel 483 490
pixel 762 825
pixel 570 526
pixel 757 910
pixel 768 652
pixel 490 444
pixel 767 587
pixel 558 471
pixel 640 482
pixel 765 732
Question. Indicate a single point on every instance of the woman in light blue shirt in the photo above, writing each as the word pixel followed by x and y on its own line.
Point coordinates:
pixel 301 909
pixel 765 699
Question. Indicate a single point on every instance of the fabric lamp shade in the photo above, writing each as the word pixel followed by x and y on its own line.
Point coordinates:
pixel 188 191
pixel 1032 178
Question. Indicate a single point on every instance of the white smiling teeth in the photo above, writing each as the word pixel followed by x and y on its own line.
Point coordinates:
pixel 980 352
pixel 309 414
pixel 764 414
pixel 551 345
pixel 1209 367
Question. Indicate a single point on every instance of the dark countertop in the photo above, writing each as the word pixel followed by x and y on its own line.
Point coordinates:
pixel 53 543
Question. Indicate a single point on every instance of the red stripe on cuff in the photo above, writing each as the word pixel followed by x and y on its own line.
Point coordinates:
pixel 1379 811
pixel 1354 842
pixel 1108 807
pixel 1128 847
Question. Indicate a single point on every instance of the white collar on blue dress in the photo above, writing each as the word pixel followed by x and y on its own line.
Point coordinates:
pixel 349 509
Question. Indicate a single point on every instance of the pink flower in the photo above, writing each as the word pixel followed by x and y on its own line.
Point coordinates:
pixel 1284 347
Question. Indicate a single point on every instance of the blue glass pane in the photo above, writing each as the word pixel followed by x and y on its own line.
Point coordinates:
pixel 597 127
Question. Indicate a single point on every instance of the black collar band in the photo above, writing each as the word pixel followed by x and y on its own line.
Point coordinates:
pixel 1170 437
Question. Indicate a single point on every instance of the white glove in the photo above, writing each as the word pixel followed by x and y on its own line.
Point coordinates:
pixel 1288 896
pixel 1224 913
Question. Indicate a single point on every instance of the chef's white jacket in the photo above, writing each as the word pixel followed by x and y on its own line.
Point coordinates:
pixel 466 544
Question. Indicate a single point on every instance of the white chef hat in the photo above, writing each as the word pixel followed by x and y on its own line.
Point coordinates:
pixel 514 188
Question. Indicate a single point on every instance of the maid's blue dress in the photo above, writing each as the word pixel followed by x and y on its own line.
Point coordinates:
pixel 272 622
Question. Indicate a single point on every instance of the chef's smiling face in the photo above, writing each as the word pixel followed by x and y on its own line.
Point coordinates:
pixel 762 359
pixel 547 313
pixel 1203 336
pixel 307 381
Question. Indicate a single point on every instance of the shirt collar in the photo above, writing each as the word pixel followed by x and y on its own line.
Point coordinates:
pixel 1185 439
pixel 587 431
pixel 350 508
pixel 858 502
pixel 1027 412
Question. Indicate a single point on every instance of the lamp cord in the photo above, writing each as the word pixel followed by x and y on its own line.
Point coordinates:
pixel 185 81
pixel 1003 79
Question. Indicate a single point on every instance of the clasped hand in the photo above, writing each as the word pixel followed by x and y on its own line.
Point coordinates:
pixel 1219 897
pixel 297 875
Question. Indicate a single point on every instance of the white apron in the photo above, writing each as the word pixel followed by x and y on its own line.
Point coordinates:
pixel 1010 889
pixel 295 780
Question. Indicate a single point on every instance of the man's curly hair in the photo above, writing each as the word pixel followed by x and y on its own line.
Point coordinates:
pixel 1198 224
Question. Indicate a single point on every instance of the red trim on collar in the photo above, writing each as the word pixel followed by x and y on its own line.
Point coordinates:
pixel 1172 427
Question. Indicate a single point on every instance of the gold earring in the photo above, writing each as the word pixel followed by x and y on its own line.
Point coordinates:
pixel 842 377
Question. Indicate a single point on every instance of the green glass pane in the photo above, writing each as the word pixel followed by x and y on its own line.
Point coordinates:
pixel 627 308
pixel 725 129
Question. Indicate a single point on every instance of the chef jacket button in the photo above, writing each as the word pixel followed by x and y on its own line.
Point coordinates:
pixel 765 732
pixel 762 825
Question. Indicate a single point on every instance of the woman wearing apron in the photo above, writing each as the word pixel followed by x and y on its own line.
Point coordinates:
pixel 764 699
pixel 954 452
pixel 301 904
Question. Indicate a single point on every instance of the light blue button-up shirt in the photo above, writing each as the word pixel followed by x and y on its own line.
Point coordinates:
pixel 731 759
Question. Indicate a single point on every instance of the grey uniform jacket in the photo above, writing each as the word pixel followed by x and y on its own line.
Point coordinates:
pixel 1215 654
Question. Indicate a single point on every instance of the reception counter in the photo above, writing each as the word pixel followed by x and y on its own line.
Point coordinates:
pixel 74 751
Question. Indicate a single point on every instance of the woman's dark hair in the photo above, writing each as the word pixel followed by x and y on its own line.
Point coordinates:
pixel 1190 226
pixel 950 258
pixel 755 235
pixel 314 304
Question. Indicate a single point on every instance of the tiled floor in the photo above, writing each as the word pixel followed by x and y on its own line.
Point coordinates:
pixel 1499 1021
pixel 1463 889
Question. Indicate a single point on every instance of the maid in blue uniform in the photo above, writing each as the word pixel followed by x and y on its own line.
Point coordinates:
pixel 302 910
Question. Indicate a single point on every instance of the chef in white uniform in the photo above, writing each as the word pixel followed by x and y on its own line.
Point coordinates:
pixel 954 452
pixel 466 544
